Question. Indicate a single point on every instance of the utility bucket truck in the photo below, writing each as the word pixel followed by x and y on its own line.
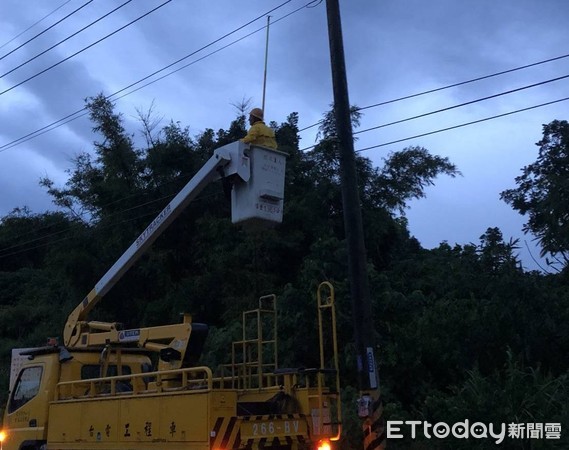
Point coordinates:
pixel 112 388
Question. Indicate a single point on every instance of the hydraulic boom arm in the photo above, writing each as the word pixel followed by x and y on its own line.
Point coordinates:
pixel 232 159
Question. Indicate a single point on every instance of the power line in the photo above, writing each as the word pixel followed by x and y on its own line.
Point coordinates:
pixel 485 77
pixel 44 31
pixel 31 241
pixel 132 219
pixel 461 83
pixel 70 117
pixel 51 126
pixel 33 25
pixel 43 130
pixel 463 104
pixel 357 151
pixel 211 53
pixel 137 194
pixel 463 125
pixel 452 107
pixel 85 48
pixel 200 49
pixel 64 40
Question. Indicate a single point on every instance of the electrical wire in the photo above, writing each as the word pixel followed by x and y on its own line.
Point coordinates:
pixel 209 54
pixel 65 120
pixel 33 25
pixel 357 151
pixel 460 105
pixel 462 125
pixel 200 49
pixel 43 130
pixel 317 4
pixel 449 86
pixel 248 35
pixel 44 31
pixel 450 108
pixel 85 48
pixel 45 236
pixel 132 219
pixel 66 39
pixel 71 117
pixel 173 180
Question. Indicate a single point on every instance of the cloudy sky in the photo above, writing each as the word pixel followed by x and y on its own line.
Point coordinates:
pixel 394 49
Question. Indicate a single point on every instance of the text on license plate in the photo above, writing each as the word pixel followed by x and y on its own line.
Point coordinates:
pixel 273 428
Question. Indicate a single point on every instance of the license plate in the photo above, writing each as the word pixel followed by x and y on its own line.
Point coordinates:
pixel 271 428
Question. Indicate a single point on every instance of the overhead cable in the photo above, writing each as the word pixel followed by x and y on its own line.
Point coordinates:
pixel 130 219
pixel 200 49
pixel 443 129
pixel 460 105
pixel 34 24
pixel 64 40
pixel 43 130
pixel 449 86
pixel 485 77
pixel 462 125
pixel 55 233
pixel 85 48
pixel 357 151
pixel 209 54
pixel 77 114
pixel 175 179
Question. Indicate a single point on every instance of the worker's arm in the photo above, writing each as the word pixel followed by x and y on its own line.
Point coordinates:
pixel 252 135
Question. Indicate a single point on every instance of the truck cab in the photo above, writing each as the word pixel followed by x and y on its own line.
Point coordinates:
pixel 43 371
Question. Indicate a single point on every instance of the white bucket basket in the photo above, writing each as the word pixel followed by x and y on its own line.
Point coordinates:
pixel 261 199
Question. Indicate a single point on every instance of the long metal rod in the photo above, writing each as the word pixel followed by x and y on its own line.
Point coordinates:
pixel 266 63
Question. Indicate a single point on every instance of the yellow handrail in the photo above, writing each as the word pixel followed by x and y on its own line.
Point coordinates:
pixel 327 302
pixel 195 378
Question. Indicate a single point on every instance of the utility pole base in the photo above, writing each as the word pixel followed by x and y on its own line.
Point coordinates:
pixel 374 424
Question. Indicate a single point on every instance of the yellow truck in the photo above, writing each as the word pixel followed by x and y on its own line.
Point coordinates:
pixel 109 388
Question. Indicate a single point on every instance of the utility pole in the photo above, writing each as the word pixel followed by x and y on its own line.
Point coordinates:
pixel 370 406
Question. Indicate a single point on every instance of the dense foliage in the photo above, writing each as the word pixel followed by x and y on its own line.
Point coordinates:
pixel 543 192
pixel 463 332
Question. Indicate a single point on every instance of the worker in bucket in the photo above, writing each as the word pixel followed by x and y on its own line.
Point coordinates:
pixel 259 133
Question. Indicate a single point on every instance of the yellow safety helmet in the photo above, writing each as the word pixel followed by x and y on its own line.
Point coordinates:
pixel 257 112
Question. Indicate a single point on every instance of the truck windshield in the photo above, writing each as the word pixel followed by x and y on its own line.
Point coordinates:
pixel 27 386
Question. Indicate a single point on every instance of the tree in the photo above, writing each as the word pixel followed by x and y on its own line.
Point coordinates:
pixel 495 254
pixel 98 187
pixel 543 192
pixel 406 174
